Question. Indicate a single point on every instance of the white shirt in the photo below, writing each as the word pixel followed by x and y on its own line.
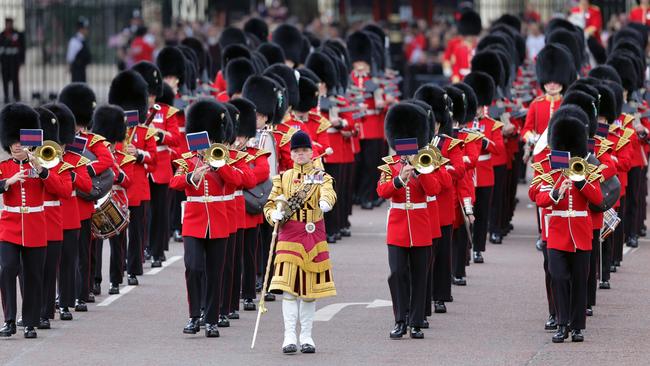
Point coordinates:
pixel 74 46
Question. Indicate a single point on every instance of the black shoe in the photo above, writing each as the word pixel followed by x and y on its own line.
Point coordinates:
pixel 617 263
pixel 114 289
pixel 249 305
pixel 416 333
pixel 223 322
pixel 91 298
pixel 269 297
pixel 539 244
pixel 289 349
pixel 337 236
pixel 643 231
pixel 44 323
pixel 80 306
pixel 211 331
pixel 398 331
pixel 589 311
pixel 8 329
pixel 163 258
pixel 30 332
pixel 366 205
pixel 551 323
pixel 258 285
pixel 65 314
pixel 439 307
pixel 97 289
pixel 460 281
pixel 561 334
pixel 202 319
pixel 576 336
pixel 20 323
pixel 156 263
pixel 345 232
pixel 495 238
pixel 425 324
pixel 612 269
pixel 633 242
pixel 147 254
pixel 604 285
pixel 192 326
pixel 178 238
pixel 307 348
pixel 478 257
pixel 132 280
pixel 234 315
pixel 378 202
pixel 331 239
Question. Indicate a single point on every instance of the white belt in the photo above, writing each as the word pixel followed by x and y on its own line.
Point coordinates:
pixel 370 112
pixel 568 213
pixel 431 198
pixel 23 210
pixel 52 203
pixel 484 157
pixel 206 199
pixel 333 130
pixel 181 129
pixel 162 148
pixel 239 193
pixel 408 206
pixel 74 194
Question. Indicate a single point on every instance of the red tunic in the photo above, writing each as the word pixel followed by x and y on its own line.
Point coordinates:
pixel 80 182
pixel 258 162
pixel 52 203
pixel 602 152
pixel 538 115
pixel 316 126
pixel 343 147
pixel 640 15
pixel 165 120
pixel 248 181
pixel 144 141
pixel 451 149
pixel 459 54
pixel 371 124
pixel 592 17
pixel 491 129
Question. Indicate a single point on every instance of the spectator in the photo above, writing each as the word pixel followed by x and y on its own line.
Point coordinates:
pixel 78 55
pixel 535 40
pixel 142 46
pixel 12 56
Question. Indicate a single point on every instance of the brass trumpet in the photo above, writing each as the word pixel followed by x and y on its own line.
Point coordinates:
pixel 425 160
pixel 49 154
pixel 217 155
pixel 577 170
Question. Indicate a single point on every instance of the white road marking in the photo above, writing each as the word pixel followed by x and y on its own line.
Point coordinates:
pixel 328 312
pixel 166 263
pixel 123 291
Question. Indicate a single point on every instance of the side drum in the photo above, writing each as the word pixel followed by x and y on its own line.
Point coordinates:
pixel 111 216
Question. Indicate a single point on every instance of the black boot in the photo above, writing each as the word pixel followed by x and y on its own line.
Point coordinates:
pixel 589 311
pixel 223 322
pixel 91 298
pixel 211 331
pixel 192 326
pixel 576 336
pixel 30 332
pixel 307 348
pixel 234 315
pixel 65 314
pixel 132 280
pixel 156 263
pixel 478 257
pixel 398 331
pixel 331 239
pixel 44 323
pixel 604 285
pixel 460 281
pixel 80 306
pixel 495 238
pixel 114 289
pixel 439 307
pixel 416 333
pixel 8 329
pixel 269 297
pixel 551 323
pixel 561 334
pixel 178 238
pixel 289 349
pixel 97 288
pixel 345 232
pixel 249 305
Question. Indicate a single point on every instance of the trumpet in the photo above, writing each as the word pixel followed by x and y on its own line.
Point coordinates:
pixel 217 155
pixel 427 160
pixel 49 154
pixel 577 170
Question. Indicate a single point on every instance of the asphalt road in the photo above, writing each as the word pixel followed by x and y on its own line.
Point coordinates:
pixel 496 320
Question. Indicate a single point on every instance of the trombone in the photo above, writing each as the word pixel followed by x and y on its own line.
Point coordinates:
pixel 577 170
pixel 49 154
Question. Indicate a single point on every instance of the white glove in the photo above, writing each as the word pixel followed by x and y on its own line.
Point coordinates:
pixel 276 215
pixel 324 206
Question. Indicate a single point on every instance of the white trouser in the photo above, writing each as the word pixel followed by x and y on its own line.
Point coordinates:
pixel 290 315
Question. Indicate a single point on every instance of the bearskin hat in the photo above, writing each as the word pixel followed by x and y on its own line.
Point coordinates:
pixel 405 120
pixel 607 105
pixel 151 74
pixel 377 52
pixel 626 71
pixel 483 87
pixel 233 117
pixel 547 69
pixel 605 72
pixel 308 95
pixel 247 119
pixel 237 71
pixel 586 85
pixel 289 38
pixel 459 106
pixel 258 28
pixel 231 35
pixel 568 134
pixel 13 118
pixel 307 73
pixel 207 115
pixel 49 124
pixel 469 23
pixel 305 50
pixel 272 52
pixel 359 46
pixel 336 44
pixel 282 104
pixel 81 101
pixel 617 90
pixel 510 20
pixel 66 119
pixel 109 121
pixel 424 109
pixel 437 98
pixel 628 32
pixel 199 50
pixel 568 111
pixel 568 39
pixel 167 96
pixel 232 52
pixel 374 28
pixel 171 62
pixel 597 50
pixel 288 75
pixel 641 29
pixel 259 62
pixel 470 100
pixel 489 62
pixel 129 91
pixel 262 92
pixel 588 104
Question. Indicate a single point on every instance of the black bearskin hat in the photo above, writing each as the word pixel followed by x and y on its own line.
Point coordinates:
pixel 167 96
pixel 289 77
pixel 568 134
pixel 231 35
pixel 49 124
pixel 547 69
pixel 258 28
pixel 289 38
pixel 109 121
pixel 199 50
pixel 207 115
pixel 469 23
pixel 607 105
pixel 568 39
pixel 81 101
pixel 247 120
pixel 605 72
pixel 405 120
pixel 489 62
pixel 439 101
pixel 171 62
pixel 510 20
pixel 307 73
pixel 626 70
pixel 459 101
pixel 323 66
pixel 617 90
pixel 360 47
pixel 237 71
pixel 588 104
pixel 66 119
pixel 233 113
pixel 483 87
pixel 262 92
pixel 470 99
pixel 308 95
pixel 272 52
pixel 259 62
pixel 597 50
pixel 129 91
pixel 151 74
pixel 13 118
pixel 232 52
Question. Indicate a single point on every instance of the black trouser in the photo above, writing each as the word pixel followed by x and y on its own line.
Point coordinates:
pixel 370 159
pixel 619 233
pixel 594 266
pixel 228 275
pixel 159 234
pixel 408 282
pixel 204 259
pixel 481 214
pixel 644 195
pixel 428 297
pixel 606 256
pixel 32 260
pixel 118 247
pixel 176 199
pixel 235 292
pixel 249 275
pixel 569 271
pixel 442 266
pixel 134 250
pixel 332 218
pixel 96 260
pixel 266 232
pixel 78 73
pixel 348 191
pixel 68 268
pixel 10 74
pixel 548 281
pixel 498 198
pixel 632 203
pixel 459 247
pixel 48 295
pixel 83 269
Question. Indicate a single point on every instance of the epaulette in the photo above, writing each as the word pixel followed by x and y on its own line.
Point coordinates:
pixel 150 132
pixel 385 169
pixel 187 155
pixel 388 160
pixel 181 163
pixel 497 125
pixel 286 136
pixel 547 177
pixel 453 142
pixel 96 138
pixel 538 167
pixel 127 159
pixel 605 142
pixel 82 161
pixel 324 125
pixel 612 127
pixel 602 148
pixel 171 111
pixel 259 153
pixel 65 166
pixel 473 136
pixel 240 155
pixel 628 118
pixel 596 174
pixel 627 133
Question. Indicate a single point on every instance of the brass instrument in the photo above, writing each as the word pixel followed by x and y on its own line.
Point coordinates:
pixel 146 123
pixel 217 155
pixel 49 154
pixel 577 170
pixel 427 160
